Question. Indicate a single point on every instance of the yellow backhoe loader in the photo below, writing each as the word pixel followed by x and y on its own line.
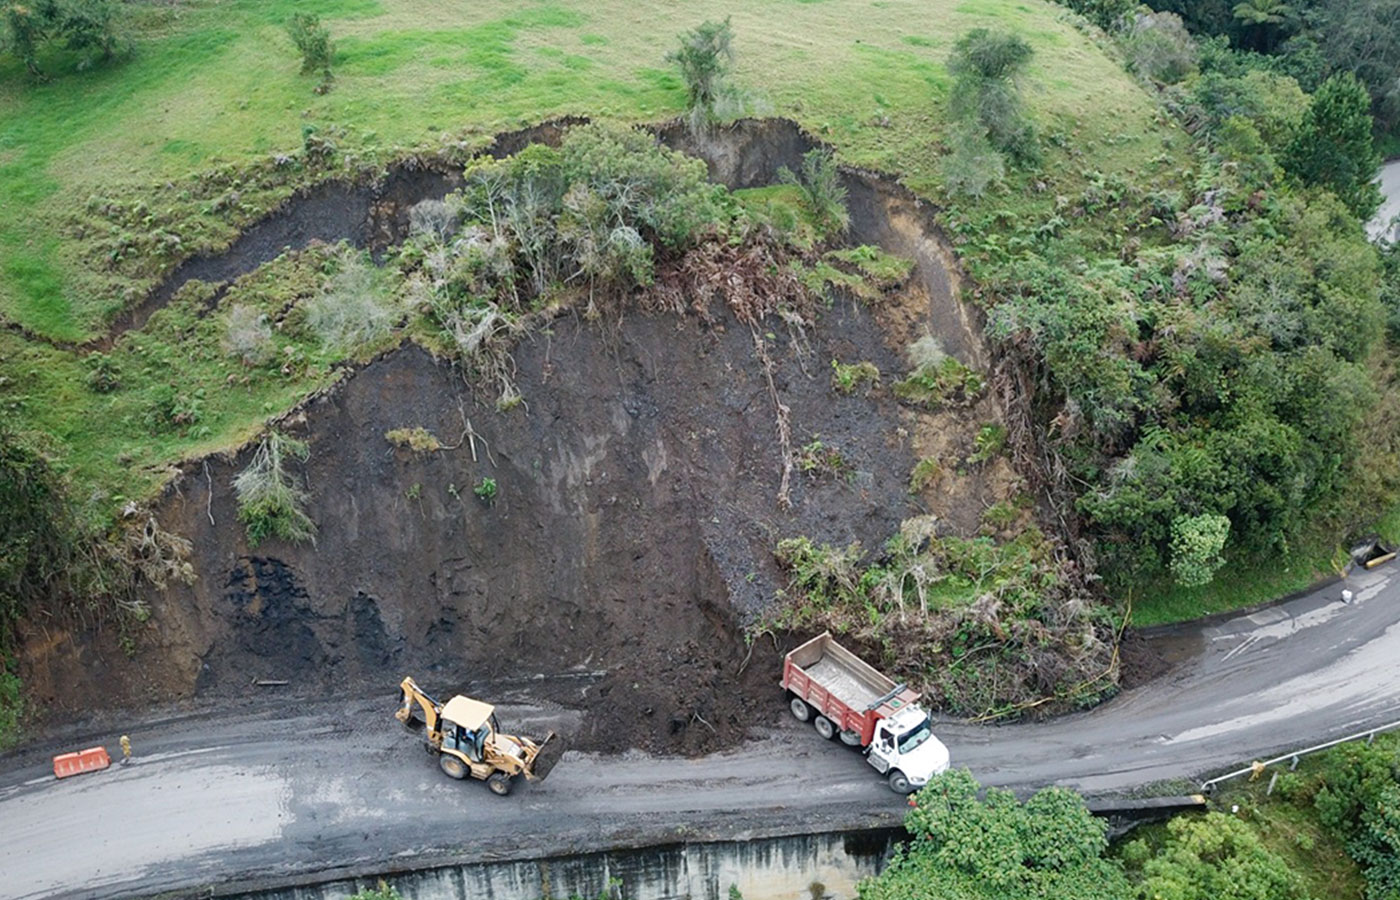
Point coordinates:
pixel 466 738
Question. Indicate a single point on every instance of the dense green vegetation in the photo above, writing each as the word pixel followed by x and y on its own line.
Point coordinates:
pixel 1214 347
pixel 1311 40
pixel 962 847
pixel 1332 830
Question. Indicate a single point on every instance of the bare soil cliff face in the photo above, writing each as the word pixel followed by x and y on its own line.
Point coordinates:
pixel 630 537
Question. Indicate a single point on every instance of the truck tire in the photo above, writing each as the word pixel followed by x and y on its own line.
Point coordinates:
pixel 800 710
pixel 499 783
pixel 850 739
pixel 824 727
pixel 899 782
pixel 452 766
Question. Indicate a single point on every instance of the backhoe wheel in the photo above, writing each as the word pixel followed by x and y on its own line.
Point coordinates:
pixel 453 766
pixel 824 727
pixel 899 782
pixel 800 710
pixel 499 783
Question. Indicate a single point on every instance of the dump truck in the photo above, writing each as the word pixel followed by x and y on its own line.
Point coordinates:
pixel 467 739
pixel 846 699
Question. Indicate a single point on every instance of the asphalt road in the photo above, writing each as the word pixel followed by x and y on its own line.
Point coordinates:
pixel 1382 225
pixel 262 796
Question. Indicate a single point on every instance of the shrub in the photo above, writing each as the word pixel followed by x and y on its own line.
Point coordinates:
pixel 822 191
pixel 1104 13
pixel 926 471
pixel 353 310
pixel 846 378
pixel 104 373
pixel 313 41
pixel 248 335
pixel 417 439
pixel 989 442
pixel 382 892
pixel 973 166
pixel 818 460
pixel 269 500
pixel 1159 47
pixel 938 380
pixel 11 708
pixel 1195 548
pixel 986 96
pixel 485 490
pixel 435 218
pixel 50 558
pixel 705 57
pixel 1376 844
pixel 171 408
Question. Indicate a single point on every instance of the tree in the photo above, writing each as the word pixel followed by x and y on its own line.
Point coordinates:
pixel 313 40
pixel 963 848
pixel 83 25
pixel 1265 20
pixel 986 97
pixel 1363 37
pixel 1332 147
pixel 705 57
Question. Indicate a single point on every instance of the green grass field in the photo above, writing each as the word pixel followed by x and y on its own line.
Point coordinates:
pixel 218 82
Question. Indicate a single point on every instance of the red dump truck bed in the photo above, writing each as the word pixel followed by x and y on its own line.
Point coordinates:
pixel 843 688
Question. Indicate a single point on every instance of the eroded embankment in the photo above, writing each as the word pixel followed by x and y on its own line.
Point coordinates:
pixel 633 525
pixel 369 215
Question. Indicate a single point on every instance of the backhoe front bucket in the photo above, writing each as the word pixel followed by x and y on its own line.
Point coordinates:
pixel 546 758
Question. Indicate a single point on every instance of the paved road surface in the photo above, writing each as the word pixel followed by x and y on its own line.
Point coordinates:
pixel 340 788
pixel 1390 187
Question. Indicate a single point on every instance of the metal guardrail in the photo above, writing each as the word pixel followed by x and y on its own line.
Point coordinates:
pixel 1257 768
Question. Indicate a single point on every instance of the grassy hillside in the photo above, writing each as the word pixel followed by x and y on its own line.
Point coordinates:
pixel 211 83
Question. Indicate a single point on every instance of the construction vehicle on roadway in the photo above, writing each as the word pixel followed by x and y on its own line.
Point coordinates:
pixel 845 698
pixel 467 740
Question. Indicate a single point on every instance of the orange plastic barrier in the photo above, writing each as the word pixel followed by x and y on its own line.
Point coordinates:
pixel 89 760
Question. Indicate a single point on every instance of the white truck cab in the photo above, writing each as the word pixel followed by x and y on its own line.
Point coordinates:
pixel 905 751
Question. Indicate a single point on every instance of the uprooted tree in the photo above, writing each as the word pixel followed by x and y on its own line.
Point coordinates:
pixel 705 57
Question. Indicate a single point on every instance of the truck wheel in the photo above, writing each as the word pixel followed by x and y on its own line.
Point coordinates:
pixel 499 783
pixel 850 738
pixel 452 766
pixel 899 782
pixel 824 727
pixel 800 710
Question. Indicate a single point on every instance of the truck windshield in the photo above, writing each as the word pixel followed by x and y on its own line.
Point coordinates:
pixel 915 736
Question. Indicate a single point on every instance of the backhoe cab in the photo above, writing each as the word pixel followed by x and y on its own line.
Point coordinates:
pixel 467 740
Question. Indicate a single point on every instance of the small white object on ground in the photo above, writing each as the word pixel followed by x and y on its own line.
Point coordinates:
pixel 1346 596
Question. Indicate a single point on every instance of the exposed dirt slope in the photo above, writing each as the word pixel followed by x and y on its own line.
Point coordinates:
pixel 631 534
